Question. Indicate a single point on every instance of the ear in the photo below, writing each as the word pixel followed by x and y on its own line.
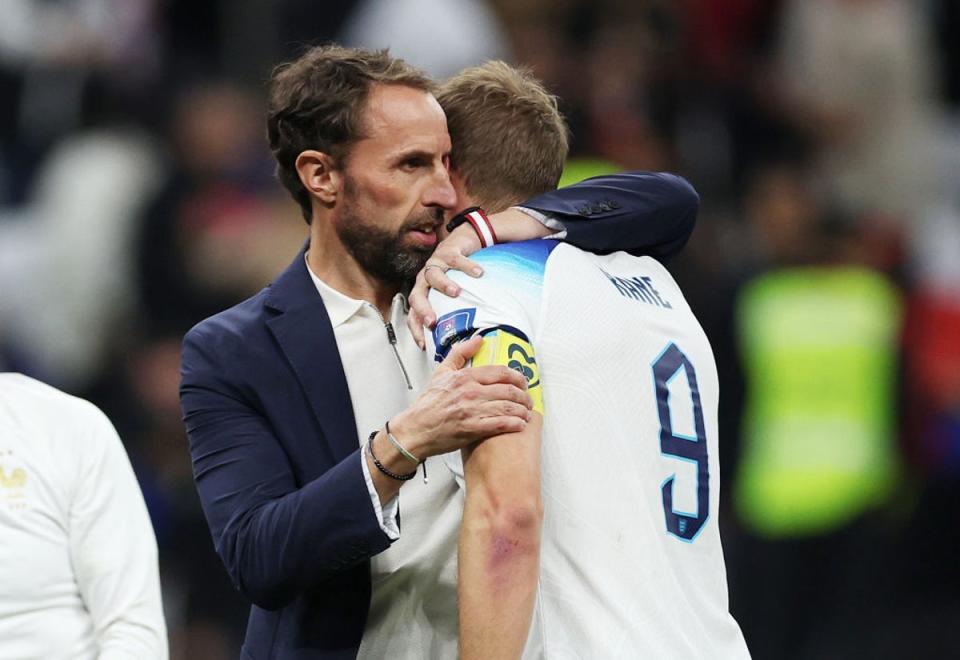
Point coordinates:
pixel 319 175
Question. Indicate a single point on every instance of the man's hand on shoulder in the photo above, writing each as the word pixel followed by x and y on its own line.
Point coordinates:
pixel 462 405
pixel 453 252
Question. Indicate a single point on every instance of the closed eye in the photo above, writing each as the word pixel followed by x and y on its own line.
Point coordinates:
pixel 414 163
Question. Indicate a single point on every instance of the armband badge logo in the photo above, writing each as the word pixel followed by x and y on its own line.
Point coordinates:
pixel 527 367
pixel 451 328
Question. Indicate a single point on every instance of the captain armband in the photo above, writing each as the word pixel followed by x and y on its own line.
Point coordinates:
pixel 509 347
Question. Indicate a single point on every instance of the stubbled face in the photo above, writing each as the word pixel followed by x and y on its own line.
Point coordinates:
pixel 396 187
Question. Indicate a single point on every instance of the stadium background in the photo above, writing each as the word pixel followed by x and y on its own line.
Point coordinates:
pixel 137 197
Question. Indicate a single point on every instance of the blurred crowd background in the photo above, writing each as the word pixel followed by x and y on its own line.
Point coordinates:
pixel 137 197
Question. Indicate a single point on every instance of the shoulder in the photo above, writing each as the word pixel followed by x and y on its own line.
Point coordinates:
pixel 530 255
pixel 31 404
pixel 229 330
pixel 233 321
pixel 510 267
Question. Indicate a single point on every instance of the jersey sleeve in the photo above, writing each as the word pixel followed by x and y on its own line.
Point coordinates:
pixel 503 306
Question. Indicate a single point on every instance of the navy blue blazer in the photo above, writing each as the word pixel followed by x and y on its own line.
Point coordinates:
pixel 274 442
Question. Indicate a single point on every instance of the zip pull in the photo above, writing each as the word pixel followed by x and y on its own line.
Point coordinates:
pixel 392 338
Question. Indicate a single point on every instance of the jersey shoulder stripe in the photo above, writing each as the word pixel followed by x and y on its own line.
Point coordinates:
pixel 516 264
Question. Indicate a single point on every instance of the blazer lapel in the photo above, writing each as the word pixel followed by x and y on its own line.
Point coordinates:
pixel 305 335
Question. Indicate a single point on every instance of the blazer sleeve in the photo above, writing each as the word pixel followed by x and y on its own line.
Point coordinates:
pixel 275 537
pixel 643 213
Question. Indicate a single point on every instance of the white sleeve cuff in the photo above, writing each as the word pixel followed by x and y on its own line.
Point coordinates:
pixel 386 514
pixel 547 221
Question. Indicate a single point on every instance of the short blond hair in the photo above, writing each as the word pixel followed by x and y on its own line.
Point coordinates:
pixel 509 139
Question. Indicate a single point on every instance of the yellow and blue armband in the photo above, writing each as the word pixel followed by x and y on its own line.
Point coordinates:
pixel 510 348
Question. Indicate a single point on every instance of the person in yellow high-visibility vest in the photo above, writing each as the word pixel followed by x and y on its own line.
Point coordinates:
pixel 819 347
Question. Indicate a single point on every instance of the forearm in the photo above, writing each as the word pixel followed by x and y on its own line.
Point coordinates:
pixel 281 547
pixel 643 213
pixel 499 554
pixel 514 225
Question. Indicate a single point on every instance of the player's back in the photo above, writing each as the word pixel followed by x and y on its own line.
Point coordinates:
pixel 631 562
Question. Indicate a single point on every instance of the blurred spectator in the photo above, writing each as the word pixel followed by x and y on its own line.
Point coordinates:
pixel 79 558
pixel 61 64
pixel 857 76
pixel 819 336
pixel 439 36
pixel 69 249
pixel 218 226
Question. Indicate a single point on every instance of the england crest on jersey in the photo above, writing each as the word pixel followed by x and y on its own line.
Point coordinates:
pixel 451 328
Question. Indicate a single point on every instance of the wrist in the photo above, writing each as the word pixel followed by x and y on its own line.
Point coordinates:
pixel 467 239
pixel 386 459
pixel 477 218
pixel 408 433
pixel 514 225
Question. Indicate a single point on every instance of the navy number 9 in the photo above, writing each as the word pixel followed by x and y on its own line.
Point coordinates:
pixel 684 526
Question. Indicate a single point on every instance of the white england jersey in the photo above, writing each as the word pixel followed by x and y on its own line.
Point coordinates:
pixel 631 561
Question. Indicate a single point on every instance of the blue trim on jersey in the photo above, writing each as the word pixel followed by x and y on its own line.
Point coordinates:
pixel 526 259
pixel 508 328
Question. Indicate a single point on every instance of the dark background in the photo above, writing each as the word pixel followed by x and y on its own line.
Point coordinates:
pixel 137 197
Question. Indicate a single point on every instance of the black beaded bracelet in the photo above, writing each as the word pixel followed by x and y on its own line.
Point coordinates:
pixel 382 467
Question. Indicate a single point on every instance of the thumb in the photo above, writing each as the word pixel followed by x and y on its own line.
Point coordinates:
pixel 460 353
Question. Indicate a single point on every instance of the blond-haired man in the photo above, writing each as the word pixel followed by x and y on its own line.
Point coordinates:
pixel 604 535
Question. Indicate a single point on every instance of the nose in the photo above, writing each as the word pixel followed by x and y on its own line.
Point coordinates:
pixel 440 192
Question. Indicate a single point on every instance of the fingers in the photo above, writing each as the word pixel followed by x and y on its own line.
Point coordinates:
pixel 490 426
pixel 437 279
pixel 466 265
pixel 460 353
pixel 504 409
pixel 507 394
pixel 420 309
pixel 493 373
pixel 415 326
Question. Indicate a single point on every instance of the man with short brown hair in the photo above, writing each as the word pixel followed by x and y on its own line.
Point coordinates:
pixel 307 410
pixel 317 102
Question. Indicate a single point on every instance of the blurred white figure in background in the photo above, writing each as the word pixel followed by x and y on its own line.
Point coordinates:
pixel 78 557
pixel 440 36
pixel 859 75
pixel 65 256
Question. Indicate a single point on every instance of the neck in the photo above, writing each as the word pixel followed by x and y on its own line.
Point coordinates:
pixel 330 260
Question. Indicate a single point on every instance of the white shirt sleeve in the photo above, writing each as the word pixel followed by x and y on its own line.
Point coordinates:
pixel 113 549
pixel 548 221
pixel 386 514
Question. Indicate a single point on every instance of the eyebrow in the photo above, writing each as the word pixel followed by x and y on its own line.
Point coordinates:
pixel 417 153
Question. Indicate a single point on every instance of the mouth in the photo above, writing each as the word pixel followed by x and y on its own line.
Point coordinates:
pixel 425 234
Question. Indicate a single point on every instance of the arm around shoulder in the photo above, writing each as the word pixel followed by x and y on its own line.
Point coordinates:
pixel 643 213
